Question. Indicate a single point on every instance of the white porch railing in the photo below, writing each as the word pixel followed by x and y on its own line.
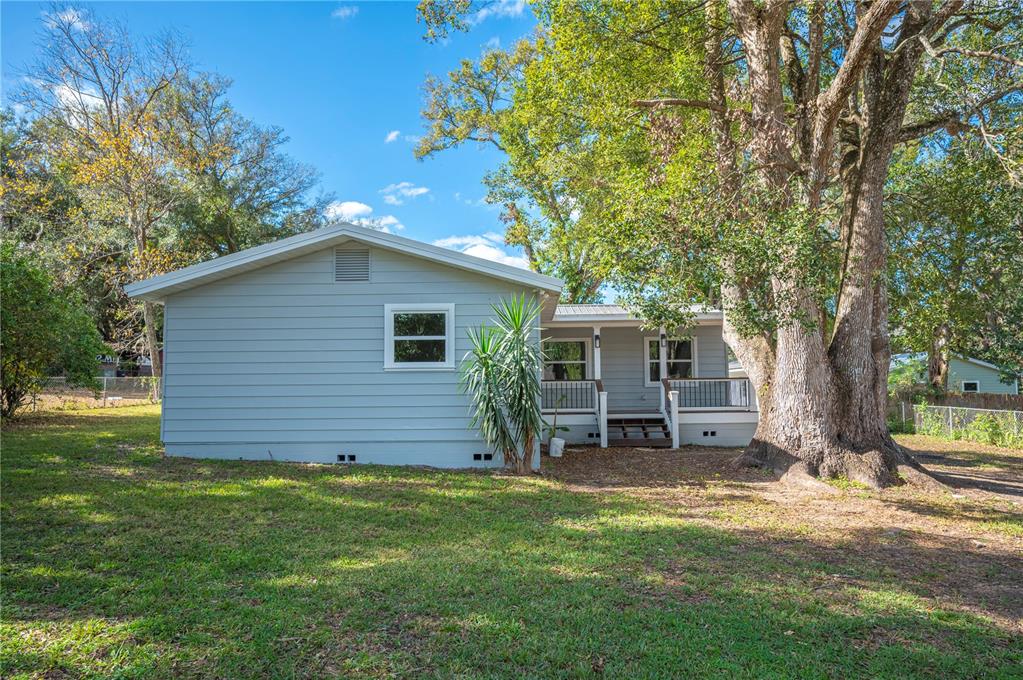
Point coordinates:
pixel 569 396
pixel 714 393
pixel 576 396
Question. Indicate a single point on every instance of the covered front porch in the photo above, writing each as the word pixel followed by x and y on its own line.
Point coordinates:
pixel 611 383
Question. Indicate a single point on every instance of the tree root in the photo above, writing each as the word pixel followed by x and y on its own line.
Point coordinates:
pixel 875 468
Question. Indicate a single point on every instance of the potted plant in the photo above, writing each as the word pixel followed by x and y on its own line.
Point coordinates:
pixel 556 445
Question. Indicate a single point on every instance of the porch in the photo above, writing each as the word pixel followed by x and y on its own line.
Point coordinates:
pixel 608 381
pixel 582 405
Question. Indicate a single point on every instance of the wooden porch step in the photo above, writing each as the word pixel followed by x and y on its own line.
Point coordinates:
pixel 626 431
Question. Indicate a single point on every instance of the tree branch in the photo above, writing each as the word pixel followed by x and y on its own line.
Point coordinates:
pixel 980 54
pixel 868 30
pixel 955 119
pixel 671 101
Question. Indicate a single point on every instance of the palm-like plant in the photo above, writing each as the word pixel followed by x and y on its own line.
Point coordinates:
pixel 502 376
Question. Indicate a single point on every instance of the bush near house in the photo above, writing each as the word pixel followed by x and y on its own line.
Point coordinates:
pixel 43 330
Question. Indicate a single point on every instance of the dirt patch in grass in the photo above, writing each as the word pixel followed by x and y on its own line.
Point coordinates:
pixel 962 549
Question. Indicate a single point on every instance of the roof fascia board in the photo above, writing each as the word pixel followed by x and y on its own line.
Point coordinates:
pixel 197 274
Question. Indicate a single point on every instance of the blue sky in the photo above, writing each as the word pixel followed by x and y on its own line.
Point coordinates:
pixel 344 81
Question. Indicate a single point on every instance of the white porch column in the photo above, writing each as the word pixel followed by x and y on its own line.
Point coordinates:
pixel 673 416
pixel 662 352
pixel 596 352
pixel 602 418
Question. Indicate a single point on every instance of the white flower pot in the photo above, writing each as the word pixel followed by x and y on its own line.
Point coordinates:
pixel 555 447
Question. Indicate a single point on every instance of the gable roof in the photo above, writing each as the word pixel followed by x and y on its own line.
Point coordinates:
pixel 899 359
pixel 158 287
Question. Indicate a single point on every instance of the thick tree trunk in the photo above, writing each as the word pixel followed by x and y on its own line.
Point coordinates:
pixel 152 344
pixel 937 359
pixel 823 406
pixel 138 230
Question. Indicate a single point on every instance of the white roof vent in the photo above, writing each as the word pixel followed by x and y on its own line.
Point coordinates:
pixel 351 265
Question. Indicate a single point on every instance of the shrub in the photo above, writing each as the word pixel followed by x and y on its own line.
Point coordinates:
pixel 985 428
pixel 501 376
pixel 43 330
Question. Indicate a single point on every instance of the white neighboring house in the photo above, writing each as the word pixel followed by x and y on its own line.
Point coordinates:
pixel 344 344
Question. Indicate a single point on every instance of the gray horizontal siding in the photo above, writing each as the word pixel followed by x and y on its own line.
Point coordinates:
pixel 284 359
pixel 725 434
pixel 959 370
pixel 623 368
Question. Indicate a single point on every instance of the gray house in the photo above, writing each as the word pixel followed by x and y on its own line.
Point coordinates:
pixel 965 374
pixel 343 344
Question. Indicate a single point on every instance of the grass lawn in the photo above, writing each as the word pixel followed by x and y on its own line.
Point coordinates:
pixel 631 564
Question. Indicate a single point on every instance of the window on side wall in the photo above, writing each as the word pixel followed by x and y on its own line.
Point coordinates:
pixel 971 386
pixel 565 359
pixel 680 356
pixel 419 336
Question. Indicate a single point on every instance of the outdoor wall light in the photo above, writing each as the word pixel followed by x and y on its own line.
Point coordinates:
pixel 664 339
pixel 596 340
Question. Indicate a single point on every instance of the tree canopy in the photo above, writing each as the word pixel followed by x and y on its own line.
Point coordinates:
pixel 737 154
pixel 957 257
pixel 129 163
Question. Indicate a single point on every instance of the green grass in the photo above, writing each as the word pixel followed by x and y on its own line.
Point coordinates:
pixel 120 563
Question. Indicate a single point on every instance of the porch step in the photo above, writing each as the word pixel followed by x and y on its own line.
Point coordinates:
pixel 652 432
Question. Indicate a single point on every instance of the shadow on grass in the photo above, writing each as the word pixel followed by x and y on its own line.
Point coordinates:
pixel 259 569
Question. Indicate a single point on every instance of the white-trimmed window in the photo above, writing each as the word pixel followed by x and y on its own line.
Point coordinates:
pixel 680 359
pixel 971 386
pixel 419 336
pixel 566 358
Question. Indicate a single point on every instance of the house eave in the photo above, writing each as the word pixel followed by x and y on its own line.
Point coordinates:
pixel 157 288
pixel 625 321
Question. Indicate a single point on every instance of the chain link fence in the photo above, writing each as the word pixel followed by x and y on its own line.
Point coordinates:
pixel 988 426
pixel 56 393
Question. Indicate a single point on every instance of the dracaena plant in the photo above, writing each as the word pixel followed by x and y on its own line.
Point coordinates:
pixel 501 375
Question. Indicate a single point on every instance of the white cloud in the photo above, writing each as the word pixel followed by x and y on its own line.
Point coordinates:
pixel 385 223
pixel 392 136
pixel 489 246
pixel 493 43
pixel 69 16
pixel 497 255
pixel 356 212
pixel 396 194
pixel 71 98
pixel 345 12
pixel 500 9
pixel 346 211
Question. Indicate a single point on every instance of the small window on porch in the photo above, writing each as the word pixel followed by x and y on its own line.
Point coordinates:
pixel 679 360
pixel 565 359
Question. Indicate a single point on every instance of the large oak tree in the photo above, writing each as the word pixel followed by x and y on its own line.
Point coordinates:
pixel 747 144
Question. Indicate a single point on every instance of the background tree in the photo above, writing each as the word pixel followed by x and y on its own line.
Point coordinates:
pixel 957 249
pixel 99 91
pixel 129 163
pixel 539 209
pixel 745 147
pixel 238 187
pixel 43 330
